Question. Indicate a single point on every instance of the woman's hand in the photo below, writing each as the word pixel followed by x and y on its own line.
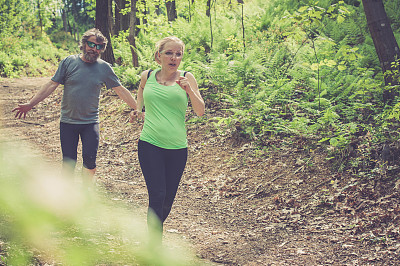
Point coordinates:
pixel 189 84
pixel 184 83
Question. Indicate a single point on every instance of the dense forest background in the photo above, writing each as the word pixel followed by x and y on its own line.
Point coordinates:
pixel 284 75
pixel 303 69
pixel 267 69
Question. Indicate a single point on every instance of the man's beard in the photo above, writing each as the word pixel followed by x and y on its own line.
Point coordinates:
pixel 90 56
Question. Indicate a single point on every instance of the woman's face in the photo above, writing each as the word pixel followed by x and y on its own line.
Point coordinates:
pixel 171 56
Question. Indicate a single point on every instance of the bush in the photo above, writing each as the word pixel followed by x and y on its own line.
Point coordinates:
pixel 28 56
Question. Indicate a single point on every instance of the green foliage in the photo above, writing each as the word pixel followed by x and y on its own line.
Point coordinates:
pixel 28 55
pixel 392 9
pixel 304 69
pixel 47 218
pixel 130 76
pixel 64 41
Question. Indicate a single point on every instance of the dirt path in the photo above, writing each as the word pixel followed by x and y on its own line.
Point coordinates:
pixel 233 208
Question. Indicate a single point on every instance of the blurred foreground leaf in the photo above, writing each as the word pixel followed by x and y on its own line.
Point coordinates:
pixel 48 218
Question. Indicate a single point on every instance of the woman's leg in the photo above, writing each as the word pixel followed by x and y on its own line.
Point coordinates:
pixel 153 169
pixel 175 165
pixel 162 170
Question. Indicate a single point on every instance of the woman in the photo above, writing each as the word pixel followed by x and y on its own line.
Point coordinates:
pixel 162 146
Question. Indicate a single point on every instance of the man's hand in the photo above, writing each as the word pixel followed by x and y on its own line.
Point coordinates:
pixel 22 109
pixel 136 115
pixel 45 91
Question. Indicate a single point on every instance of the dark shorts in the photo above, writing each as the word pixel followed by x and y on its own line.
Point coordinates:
pixel 69 136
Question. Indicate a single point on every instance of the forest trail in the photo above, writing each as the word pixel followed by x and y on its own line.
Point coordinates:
pixel 233 208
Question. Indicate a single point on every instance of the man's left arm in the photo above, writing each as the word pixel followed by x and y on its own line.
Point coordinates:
pixel 126 96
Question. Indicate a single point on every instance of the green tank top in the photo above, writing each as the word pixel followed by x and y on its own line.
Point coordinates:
pixel 164 124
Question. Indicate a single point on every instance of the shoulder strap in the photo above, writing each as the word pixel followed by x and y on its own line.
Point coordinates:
pixel 148 74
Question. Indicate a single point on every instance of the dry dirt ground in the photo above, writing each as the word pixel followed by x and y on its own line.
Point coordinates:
pixel 235 206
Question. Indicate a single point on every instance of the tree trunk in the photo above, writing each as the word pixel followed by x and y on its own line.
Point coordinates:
pixel 243 29
pixel 208 13
pixel 385 43
pixel 117 17
pixel 190 10
pixel 64 19
pixel 171 10
pixel 125 18
pixel 132 31
pixel 40 16
pixel 158 9
pixel 110 18
pixel 145 13
pixel 208 8
pixel 102 24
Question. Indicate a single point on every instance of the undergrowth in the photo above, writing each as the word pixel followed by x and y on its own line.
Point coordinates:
pixel 31 54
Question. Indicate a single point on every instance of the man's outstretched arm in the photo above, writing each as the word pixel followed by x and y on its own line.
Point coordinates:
pixel 42 94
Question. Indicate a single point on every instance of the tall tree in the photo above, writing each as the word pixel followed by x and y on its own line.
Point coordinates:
pixel 76 15
pixel 102 24
pixel 385 43
pixel 158 8
pixel 208 13
pixel 117 16
pixel 126 16
pixel 39 8
pixel 208 8
pixel 171 9
pixel 241 2
pixel 110 17
pixel 190 10
pixel 145 13
pixel 132 33
pixel 64 19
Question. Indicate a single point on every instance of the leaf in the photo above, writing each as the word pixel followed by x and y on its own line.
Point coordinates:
pixel 340 19
pixel 330 9
pixel 303 8
pixel 331 63
pixel 315 66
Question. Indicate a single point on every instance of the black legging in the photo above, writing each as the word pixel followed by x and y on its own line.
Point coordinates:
pixel 162 170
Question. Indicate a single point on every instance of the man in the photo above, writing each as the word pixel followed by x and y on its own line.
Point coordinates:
pixel 83 76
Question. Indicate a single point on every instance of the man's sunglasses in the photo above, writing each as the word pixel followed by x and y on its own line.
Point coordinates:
pixel 98 46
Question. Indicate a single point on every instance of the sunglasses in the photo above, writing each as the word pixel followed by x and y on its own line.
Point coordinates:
pixel 98 46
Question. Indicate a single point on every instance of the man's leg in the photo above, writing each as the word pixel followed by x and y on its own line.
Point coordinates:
pixel 90 144
pixel 69 137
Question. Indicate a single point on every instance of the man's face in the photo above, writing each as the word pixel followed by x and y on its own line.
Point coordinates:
pixel 91 54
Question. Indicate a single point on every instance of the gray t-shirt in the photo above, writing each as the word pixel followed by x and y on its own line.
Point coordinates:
pixel 82 84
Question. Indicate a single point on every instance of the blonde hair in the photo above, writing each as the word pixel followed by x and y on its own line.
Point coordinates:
pixel 161 44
